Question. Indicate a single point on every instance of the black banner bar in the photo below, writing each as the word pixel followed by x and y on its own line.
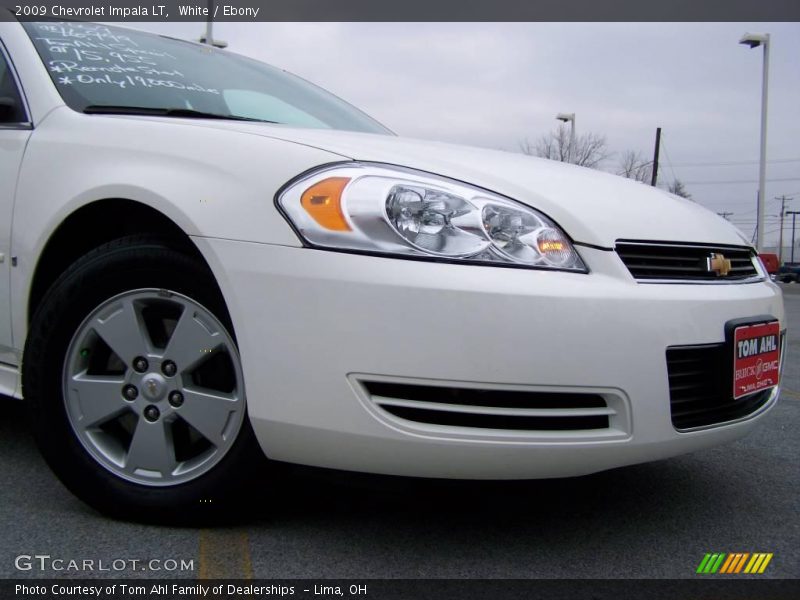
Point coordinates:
pixel 701 588
pixel 405 10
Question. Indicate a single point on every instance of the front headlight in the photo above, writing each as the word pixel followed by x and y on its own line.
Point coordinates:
pixel 401 212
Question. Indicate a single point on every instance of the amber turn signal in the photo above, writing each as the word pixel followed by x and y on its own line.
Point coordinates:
pixel 323 201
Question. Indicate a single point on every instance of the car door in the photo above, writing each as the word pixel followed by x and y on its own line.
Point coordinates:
pixel 15 129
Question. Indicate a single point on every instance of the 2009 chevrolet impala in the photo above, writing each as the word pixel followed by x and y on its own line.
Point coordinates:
pixel 205 260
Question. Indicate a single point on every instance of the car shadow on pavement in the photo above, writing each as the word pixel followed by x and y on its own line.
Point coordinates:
pixel 322 523
pixel 664 487
pixel 669 487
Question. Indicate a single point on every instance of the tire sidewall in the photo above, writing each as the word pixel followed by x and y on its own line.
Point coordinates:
pixel 83 288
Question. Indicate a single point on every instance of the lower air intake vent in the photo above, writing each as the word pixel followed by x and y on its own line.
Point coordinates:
pixel 701 387
pixel 492 409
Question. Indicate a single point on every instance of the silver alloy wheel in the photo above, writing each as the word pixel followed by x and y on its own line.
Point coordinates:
pixel 171 421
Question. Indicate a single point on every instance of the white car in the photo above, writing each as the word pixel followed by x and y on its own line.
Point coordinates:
pixel 205 261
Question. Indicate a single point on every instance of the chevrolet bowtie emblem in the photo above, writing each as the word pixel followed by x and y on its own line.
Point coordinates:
pixel 717 263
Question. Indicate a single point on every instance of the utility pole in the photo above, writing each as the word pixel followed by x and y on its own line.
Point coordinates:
pixel 794 213
pixel 654 179
pixel 725 215
pixel 780 237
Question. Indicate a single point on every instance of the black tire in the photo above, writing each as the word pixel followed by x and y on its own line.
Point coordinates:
pixel 122 265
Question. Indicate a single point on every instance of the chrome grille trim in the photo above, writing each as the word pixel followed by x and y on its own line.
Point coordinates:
pixel 666 262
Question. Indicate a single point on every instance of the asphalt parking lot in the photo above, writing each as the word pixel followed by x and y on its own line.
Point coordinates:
pixel 652 521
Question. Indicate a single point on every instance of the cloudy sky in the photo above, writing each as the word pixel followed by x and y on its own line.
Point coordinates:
pixel 494 84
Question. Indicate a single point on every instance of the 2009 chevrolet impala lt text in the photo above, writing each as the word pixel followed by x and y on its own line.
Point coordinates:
pixel 206 261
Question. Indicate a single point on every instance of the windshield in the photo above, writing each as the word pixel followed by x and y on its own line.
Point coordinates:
pixel 96 65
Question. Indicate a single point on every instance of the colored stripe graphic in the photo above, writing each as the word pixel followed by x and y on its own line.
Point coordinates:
pixel 701 567
pixel 741 562
pixel 757 564
pixel 727 564
pixel 711 563
pixel 765 563
pixel 749 567
pixel 720 562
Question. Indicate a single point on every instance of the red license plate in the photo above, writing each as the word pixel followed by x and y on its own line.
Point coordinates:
pixel 756 358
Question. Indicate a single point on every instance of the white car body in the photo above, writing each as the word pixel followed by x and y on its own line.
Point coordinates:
pixel 312 325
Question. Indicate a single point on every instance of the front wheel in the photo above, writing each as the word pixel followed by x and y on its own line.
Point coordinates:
pixel 135 386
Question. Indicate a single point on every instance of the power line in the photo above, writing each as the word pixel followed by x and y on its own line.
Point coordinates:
pixel 753 220
pixel 747 212
pixel 733 163
pixel 669 161
pixel 752 210
pixel 769 231
pixel 730 181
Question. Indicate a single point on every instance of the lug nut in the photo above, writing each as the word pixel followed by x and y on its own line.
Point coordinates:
pixel 176 399
pixel 140 364
pixel 151 413
pixel 168 368
pixel 130 392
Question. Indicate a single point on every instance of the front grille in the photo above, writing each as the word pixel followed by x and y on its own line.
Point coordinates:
pixel 684 262
pixel 701 387
pixel 491 409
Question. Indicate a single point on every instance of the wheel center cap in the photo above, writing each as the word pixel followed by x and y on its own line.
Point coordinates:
pixel 154 386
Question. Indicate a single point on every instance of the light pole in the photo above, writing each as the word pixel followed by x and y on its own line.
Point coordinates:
pixel 208 38
pixel 564 117
pixel 794 213
pixel 754 40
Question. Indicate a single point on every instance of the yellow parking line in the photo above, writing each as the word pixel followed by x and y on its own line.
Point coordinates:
pixel 790 393
pixel 224 555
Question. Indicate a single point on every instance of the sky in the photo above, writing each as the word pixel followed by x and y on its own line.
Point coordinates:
pixel 495 84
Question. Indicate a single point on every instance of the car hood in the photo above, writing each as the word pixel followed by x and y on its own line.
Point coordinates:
pixel 593 207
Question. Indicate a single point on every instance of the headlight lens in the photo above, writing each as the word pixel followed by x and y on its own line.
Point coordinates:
pixel 401 212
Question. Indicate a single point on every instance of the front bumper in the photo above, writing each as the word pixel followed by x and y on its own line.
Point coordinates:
pixel 311 325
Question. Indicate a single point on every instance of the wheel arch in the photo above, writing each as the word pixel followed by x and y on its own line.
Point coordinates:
pixel 92 225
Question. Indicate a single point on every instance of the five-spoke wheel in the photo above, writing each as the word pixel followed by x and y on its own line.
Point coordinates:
pixel 153 387
pixel 135 386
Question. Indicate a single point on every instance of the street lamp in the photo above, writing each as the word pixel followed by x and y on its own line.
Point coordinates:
pixel 754 40
pixel 208 38
pixel 564 117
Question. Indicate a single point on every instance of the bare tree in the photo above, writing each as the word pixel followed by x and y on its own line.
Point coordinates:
pixel 590 149
pixel 634 165
pixel 677 188
pixel 526 147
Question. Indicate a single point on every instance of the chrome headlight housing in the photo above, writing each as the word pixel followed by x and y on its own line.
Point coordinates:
pixel 394 211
